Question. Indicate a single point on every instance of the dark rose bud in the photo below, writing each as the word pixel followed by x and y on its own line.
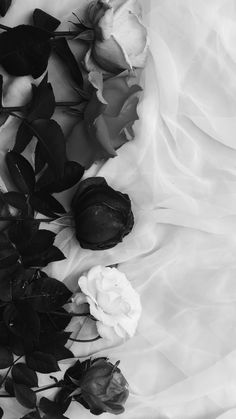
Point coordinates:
pixel 102 215
pixel 100 385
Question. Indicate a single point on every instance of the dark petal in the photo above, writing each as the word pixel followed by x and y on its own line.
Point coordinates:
pixel 76 372
pixel 98 223
pixel 25 50
pixel 107 196
pixel 94 403
pixel 114 408
pixel 96 190
pixel 87 183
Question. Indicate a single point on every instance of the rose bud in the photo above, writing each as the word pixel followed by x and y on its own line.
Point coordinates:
pixel 98 385
pixel 120 39
pixel 102 215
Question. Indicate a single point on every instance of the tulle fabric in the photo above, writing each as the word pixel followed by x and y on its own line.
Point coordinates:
pixel 180 172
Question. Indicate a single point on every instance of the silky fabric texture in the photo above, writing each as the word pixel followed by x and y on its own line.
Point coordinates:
pixel 180 175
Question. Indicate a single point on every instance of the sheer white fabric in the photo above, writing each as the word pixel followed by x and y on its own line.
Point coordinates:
pixel 180 172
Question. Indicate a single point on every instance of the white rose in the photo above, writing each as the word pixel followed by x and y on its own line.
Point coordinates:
pixel 112 301
pixel 120 39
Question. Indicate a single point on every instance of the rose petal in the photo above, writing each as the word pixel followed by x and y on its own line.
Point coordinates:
pixel 129 32
pixel 107 332
pixel 105 25
pixel 116 92
pixel 90 64
pixel 110 55
pixel 100 131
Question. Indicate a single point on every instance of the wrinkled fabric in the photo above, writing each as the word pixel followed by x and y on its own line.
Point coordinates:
pixel 180 173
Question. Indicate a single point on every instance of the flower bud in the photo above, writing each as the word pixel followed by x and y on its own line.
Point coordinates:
pixel 100 385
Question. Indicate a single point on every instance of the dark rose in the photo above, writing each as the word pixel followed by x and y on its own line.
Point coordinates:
pixel 25 50
pixel 98 385
pixel 102 215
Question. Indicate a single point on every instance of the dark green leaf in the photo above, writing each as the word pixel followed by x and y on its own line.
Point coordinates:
pixel 18 346
pixel 52 322
pixel 22 374
pixel 21 232
pixel 41 362
pixel 23 137
pixel 25 50
pixel 25 396
pixel 45 21
pixel 46 204
pixel 4 334
pixel 50 293
pixel 8 253
pixel 55 345
pixel 73 172
pixel 52 254
pixel 40 241
pixel 9 386
pixel 1 89
pixel 61 48
pixel 63 398
pixel 3 115
pixel 21 172
pixel 16 200
pixel 22 320
pixel 43 101
pixel 4 6
pixel 39 160
pixel 52 140
pixel 50 407
pixel 6 357
pixel 21 278
pixel 32 415
pixel 5 285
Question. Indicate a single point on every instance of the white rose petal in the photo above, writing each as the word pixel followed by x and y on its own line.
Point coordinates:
pixel 112 301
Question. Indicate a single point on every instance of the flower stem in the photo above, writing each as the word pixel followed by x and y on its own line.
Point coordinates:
pixel 8 109
pixel 9 369
pixel 65 33
pixel 40 220
pixel 58 384
pixel 85 340
pixel 6 28
pixel 70 314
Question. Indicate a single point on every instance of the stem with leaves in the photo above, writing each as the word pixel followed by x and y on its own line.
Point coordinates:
pixel 9 370
pixel 53 34
pixel 55 385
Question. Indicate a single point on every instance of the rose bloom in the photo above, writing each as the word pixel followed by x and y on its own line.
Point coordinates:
pixel 103 216
pixel 98 385
pixel 108 119
pixel 112 301
pixel 120 39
